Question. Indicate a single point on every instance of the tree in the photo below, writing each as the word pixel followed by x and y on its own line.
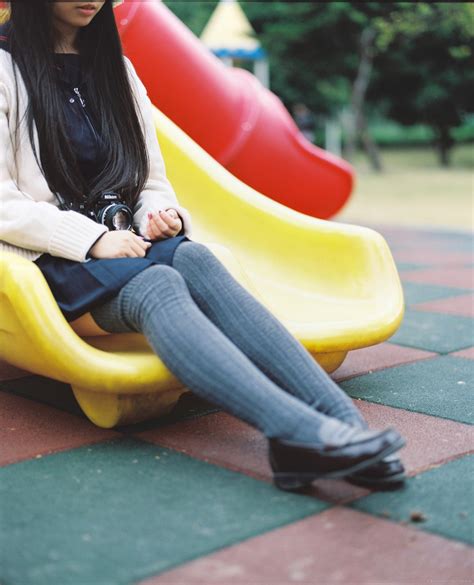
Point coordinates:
pixel 358 124
pixel 194 14
pixel 424 67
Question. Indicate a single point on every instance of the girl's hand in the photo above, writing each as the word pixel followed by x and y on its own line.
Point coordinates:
pixel 163 224
pixel 119 244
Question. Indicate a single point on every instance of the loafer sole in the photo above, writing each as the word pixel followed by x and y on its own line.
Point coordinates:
pixel 294 480
pixel 389 482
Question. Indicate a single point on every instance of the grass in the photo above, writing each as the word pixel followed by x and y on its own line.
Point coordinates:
pixel 413 190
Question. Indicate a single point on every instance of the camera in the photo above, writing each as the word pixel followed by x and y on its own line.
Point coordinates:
pixel 109 210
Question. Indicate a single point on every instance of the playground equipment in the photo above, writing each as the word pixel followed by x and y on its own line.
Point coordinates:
pixel 230 114
pixel 334 286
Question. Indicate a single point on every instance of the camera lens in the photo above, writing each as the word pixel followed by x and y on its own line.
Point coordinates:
pixel 116 217
pixel 120 220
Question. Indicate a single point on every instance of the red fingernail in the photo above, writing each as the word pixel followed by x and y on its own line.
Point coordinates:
pixel 150 215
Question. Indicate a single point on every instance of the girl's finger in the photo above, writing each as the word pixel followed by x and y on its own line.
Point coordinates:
pixel 158 223
pixel 137 250
pixel 173 222
pixel 165 229
pixel 153 231
pixel 143 245
pixel 156 233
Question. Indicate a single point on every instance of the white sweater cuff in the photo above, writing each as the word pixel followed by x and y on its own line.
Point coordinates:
pixel 74 236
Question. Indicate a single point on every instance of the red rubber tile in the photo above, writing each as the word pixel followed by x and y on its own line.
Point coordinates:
pixel 9 372
pixel 377 357
pixel 30 429
pixel 462 305
pixel 438 257
pixel 337 546
pixel 464 353
pixel 431 441
pixel 228 442
pixel 452 277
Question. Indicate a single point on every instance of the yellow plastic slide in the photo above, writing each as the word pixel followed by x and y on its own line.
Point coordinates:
pixel 334 286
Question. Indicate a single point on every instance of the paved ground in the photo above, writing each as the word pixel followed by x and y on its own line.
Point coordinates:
pixel 189 499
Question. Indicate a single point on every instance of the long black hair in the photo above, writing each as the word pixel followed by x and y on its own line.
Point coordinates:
pixel 32 41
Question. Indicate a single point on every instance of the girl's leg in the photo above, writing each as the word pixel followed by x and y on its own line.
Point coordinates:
pixel 157 303
pixel 259 334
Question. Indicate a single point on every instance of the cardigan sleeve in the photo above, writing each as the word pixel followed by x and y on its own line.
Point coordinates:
pixel 158 192
pixel 38 225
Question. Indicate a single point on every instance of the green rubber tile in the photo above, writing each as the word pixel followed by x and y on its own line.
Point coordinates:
pixel 440 386
pixel 434 331
pixel 459 244
pixel 450 237
pixel 117 512
pixel 439 501
pixel 421 293
pixel 410 266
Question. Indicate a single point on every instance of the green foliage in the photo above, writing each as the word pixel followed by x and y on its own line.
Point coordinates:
pixel 194 14
pixel 423 69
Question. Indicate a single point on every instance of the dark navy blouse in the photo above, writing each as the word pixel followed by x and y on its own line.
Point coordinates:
pixel 82 128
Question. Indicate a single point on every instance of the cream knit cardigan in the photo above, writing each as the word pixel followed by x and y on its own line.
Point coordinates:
pixel 30 221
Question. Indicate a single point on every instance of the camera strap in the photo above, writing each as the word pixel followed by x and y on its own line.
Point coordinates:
pixel 68 206
pixel 62 203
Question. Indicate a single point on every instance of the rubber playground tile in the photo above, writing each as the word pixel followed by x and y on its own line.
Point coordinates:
pixel 228 442
pixel 9 372
pixel 465 353
pixel 117 512
pixel 29 430
pixel 410 266
pixel 337 546
pixel 419 293
pixel 452 277
pixel 403 234
pixel 428 256
pixel 439 499
pixel 420 241
pixel 459 305
pixel 430 440
pixel 455 238
pixel 440 387
pixel 446 236
pixel 434 331
pixel 46 391
pixel 377 357
pixel 454 245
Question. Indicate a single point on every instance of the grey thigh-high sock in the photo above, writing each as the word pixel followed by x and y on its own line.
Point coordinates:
pixel 259 334
pixel 157 303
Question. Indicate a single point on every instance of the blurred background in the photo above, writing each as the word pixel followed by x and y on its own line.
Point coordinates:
pixel 388 86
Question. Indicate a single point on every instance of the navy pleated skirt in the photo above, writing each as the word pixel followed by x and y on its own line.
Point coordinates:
pixel 78 287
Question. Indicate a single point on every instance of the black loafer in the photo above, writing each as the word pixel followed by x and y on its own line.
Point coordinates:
pixel 296 465
pixel 386 474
